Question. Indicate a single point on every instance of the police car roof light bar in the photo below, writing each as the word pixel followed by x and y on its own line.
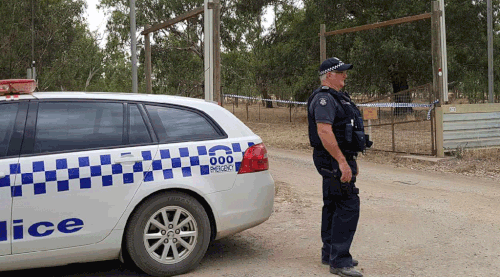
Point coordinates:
pixel 17 86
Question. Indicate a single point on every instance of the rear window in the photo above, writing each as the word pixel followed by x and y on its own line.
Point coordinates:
pixel 176 124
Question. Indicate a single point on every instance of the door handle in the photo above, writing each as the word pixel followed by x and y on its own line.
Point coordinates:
pixel 128 159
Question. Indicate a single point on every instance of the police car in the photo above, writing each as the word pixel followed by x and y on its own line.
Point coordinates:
pixel 98 176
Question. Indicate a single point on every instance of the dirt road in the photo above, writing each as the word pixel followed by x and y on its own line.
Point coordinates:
pixel 412 224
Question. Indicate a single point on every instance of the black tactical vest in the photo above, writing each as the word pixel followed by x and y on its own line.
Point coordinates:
pixel 348 130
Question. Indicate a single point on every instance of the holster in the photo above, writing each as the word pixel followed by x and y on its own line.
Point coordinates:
pixel 343 188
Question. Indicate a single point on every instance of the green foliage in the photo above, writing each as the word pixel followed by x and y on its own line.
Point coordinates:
pixel 282 61
pixel 66 55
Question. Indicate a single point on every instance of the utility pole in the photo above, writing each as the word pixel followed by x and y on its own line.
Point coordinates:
pixel 31 72
pixel 133 42
pixel 444 59
pixel 490 51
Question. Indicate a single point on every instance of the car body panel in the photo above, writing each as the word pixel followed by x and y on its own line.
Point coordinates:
pixel 65 210
pixel 87 185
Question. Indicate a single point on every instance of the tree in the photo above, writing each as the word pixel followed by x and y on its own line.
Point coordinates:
pixel 66 54
pixel 178 51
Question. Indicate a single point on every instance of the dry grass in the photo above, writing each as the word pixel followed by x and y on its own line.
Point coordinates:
pixel 276 131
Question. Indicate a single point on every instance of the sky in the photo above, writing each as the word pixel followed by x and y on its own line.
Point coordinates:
pixel 97 19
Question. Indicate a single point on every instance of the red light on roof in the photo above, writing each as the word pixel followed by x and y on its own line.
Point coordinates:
pixel 17 86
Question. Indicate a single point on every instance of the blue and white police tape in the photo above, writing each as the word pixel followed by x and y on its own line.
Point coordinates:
pixel 261 99
pixel 370 105
pixel 401 105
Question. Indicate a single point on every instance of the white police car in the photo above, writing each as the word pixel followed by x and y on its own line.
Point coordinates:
pixel 94 176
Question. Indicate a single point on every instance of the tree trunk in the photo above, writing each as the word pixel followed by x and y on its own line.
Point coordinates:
pixel 265 95
pixel 400 83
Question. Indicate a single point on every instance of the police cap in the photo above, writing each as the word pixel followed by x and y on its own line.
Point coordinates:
pixel 333 64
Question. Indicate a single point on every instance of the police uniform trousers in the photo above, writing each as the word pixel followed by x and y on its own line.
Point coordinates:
pixel 340 212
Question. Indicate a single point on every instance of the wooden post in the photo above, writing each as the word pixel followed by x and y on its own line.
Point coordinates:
pixel 322 43
pixel 149 86
pixel 216 41
pixel 393 131
pixel 247 109
pixel 370 128
pixel 437 86
pixel 433 117
pixel 439 133
pixel 433 133
pixel 290 112
pixel 258 104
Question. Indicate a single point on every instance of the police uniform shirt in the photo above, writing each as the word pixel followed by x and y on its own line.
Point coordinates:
pixel 324 108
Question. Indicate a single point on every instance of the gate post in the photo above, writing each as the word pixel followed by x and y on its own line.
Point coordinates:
pixel 322 43
pixel 439 132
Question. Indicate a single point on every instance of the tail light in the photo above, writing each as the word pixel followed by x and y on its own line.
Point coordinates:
pixel 254 160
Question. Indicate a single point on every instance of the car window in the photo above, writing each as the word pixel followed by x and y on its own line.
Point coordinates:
pixel 174 124
pixel 7 120
pixel 63 126
pixel 138 132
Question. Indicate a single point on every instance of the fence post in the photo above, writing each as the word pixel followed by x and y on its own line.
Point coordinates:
pixel 259 103
pixel 433 133
pixel 247 108
pixel 439 132
pixel 430 89
pixel 290 112
pixel 393 131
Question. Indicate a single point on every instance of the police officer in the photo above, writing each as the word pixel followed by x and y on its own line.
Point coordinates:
pixel 336 134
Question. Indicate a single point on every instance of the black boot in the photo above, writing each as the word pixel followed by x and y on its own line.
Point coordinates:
pixel 345 272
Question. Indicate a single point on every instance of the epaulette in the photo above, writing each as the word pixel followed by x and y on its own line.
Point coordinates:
pixel 324 88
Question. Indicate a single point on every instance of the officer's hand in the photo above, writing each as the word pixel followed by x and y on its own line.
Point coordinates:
pixel 346 172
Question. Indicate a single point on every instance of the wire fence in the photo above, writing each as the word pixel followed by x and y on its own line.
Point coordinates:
pixel 397 126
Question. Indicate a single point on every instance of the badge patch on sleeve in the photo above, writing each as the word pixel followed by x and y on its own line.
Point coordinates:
pixel 322 101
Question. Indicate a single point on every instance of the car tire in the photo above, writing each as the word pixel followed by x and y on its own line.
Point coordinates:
pixel 168 234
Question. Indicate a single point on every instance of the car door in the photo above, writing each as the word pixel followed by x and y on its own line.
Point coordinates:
pixel 194 150
pixel 80 166
pixel 11 133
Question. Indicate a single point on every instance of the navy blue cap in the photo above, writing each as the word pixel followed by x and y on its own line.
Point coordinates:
pixel 333 64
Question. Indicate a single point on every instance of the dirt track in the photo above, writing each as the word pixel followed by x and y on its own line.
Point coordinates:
pixel 413 223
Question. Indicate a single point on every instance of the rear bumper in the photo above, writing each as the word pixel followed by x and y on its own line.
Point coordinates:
pixel 247 204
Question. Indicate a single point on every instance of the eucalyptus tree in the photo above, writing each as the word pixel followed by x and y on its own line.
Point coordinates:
pixel 54 34
pixel 178 51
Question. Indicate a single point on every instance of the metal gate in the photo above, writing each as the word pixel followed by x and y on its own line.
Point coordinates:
pixel 405 121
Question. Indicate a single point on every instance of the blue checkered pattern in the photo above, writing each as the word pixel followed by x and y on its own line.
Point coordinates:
pixel 186 162
pixel 44 177
pixel 79 173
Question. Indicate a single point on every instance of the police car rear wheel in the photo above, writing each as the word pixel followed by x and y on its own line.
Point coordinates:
pixel 168 234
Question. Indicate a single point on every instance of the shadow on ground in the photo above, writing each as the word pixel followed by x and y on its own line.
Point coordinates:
pixel 232 249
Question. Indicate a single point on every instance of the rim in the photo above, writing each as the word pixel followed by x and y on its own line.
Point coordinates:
pixel 170 235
